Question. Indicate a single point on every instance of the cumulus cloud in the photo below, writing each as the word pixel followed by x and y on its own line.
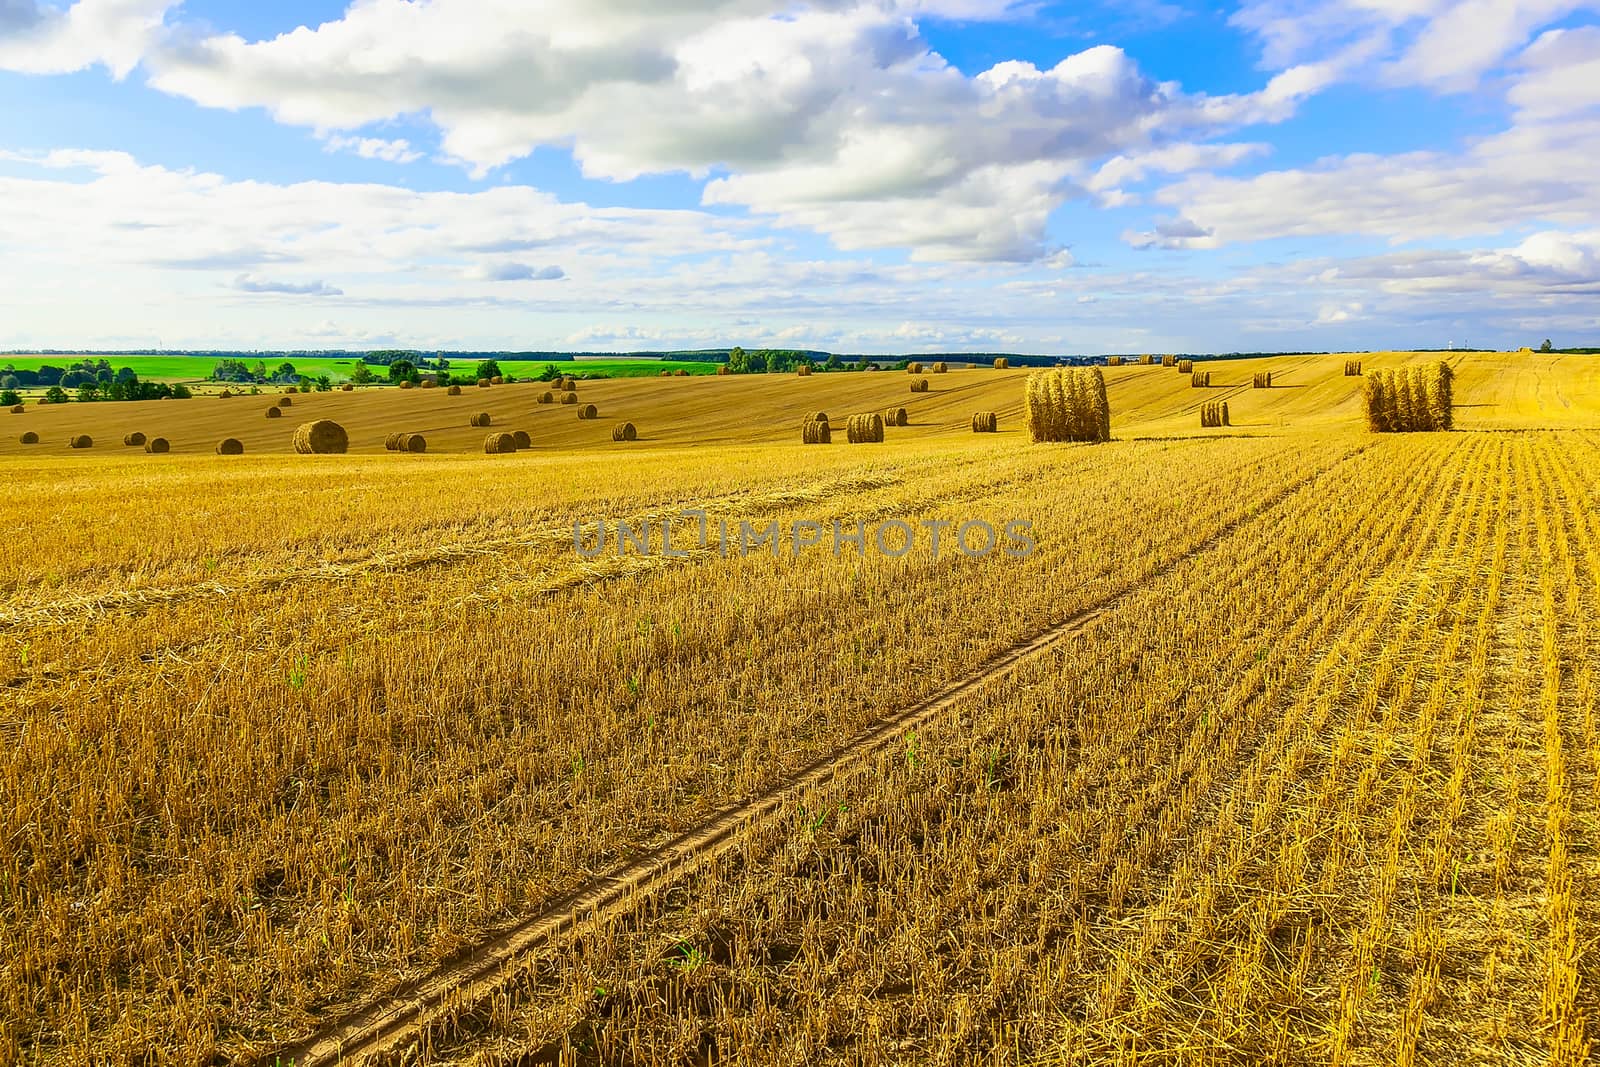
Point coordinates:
pixel 516 272
pixel 395 151
pixel 249 283
pixel 38 38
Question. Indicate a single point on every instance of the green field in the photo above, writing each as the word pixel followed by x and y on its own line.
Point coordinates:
pixel 198 368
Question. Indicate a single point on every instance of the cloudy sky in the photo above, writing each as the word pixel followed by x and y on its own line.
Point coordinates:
pixel 878 175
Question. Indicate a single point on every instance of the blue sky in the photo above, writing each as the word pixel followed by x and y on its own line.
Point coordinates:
pixel 859 175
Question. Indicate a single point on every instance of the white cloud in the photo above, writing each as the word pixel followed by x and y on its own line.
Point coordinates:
pixel 1561 74
pixel 396 151
pixel 37 38
pixel 250 283
pixel 515 272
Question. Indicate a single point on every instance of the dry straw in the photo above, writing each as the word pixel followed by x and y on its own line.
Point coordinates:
pixel 18 409
pixel 723 371
pixel 803 371
pixel 499 444
pixel 30 438
pixel 865 429
pixel 1352 368
pixel 412 442
pixel 1147 361
pixel 225 394
pixel 985 422
pixel 284 402
pixel 895 417
pixel 274 413
pixel 1262 380
pixel 1214 413
pixel 547 398
pixel 1002 364
pixel 483 383
pixel 941 368
pixel 1200 379
pixel 158 446
pixel 81 440
pixel 230 446
pixel 569 398
pixel 406 384
pixel 1185 366
pixel 1114 361
pixel 133 440
pixel 391 442
pixel 820 416
pixel 323 437
pixel 588 411
pixel 498 379
pixel 480 420
pixel 1068 404
pixel 816 432
pixel 913 368
pixel 522 438
pixel 430 383
pixel 1413 399
pixel 454 390
pixel 569 385
pixel 624 431
pixel 920 385
pixel 685 374
pixel 347 388
pixel 666 374
pixel 1169 361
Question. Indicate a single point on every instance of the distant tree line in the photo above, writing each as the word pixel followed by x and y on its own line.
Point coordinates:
pixel 86 381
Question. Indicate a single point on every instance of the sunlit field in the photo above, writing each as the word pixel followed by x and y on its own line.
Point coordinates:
pixel 1280 746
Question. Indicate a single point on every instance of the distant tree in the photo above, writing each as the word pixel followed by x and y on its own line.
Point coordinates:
pixel 362 375
pixel 1546 346
pixel 55 395
pixel 126 374
pixel 403 370
pixel 549 373
pixel 9 397
pixel 863 363
pixel 322 383
pixel 259 370
pixel 181 392
pixel 488 368
pixel 88 392
pixel 833 362
pixel 285 374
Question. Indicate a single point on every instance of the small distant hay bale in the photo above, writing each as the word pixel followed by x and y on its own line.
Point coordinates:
pixel 913 368
pixel 1352 368
pixel 865 429
pixel 407 384
pixel 569 398
pixel 225 394
pixel 30 438
pixel 323 437
pixel 588 411
pixel 724 371
pixel 569 385
pixel 1169 361
pixel 1214 413
pixel 133 440
pixel 285 402
pixel 682 373
pixel 1263 380
pixel 895 417
pixel 81 440
pixel 454 390
pixel 391 442
pixel 522 439
pixel 1002 364
pixel 547 398
pixel 498 379
pixel 480 420
pixel 274 413
pixel 1114 361
pixel 803 370
pixel 985 422
pixel 158 446
pixel 920 385
pixel 941 368
pixel 1185 366
pixel 1147 360
pixel 18 409
pixel 230 446
pixel 484 383
pixel 500 444
pixel 347 388
pixel 1200 379
pixel 412 442
pixel 815 432
pixel 666 374
pixel 624 431
pixel 873 367
pixel 429 383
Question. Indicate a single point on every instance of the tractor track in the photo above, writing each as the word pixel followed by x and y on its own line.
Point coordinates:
pixel 400 1019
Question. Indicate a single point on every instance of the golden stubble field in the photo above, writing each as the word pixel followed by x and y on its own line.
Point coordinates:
pixel 1280 748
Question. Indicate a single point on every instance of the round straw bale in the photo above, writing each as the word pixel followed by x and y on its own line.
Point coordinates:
pixel 429 383
pixel 569 398
pixel 230 446
pixel 523 440
pixel 588 411
pixel 274 413
pixel 480 420
pixel 1002 364
pixel 724 370
pixel 803 370
pixel 134 439
pixel 865 429
pixel 498 379
pixel 454 390
pixel 985 422
pixel 323 437
pixel 547 398
pixel 624 431
pixel 412 442
pixel 81 440
pixel 913 368
pixel 941 368
pixel 499 444
pixel 920 385
pixel 284 402
pixel 158 446
pixel 682 373
pixel 895 417
pixel 666 374
pixel 484 383
pixel 347 388
pixel 225 394
pixel 391 442
pixel 30 438
pixel 18 409
pixel 407 384
pixel 816 432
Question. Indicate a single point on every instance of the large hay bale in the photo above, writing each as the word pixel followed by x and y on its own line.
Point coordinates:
pixel 941 368
pixel 1147 360
pixel 1068 404
pixel 158 446
pixel 1416 399
pixel 1002 364
pixel 569 385
pixel 920 385
pixel 1169 361
pixel 391 442
pixel 412 442
pixel 1352 368
pixel 284 402
pixel 480 420
pixel 985 422
pixel 454 390
pixel 29 437
pixel 522 438
pixel 323 437
pixel 230 446
pixel 1200 379
pixel 133 440
pixel 81 440
pixel 895 417
pixel 1214 413
pixel 913 368
pixel 1185 366
pixel 815 432
pixel 547 398
pixel 1262 380
pixel 569 398
pixel 588 411
pixel 274 413
pixel 624 431
pixel 499 444
pixel 865 429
